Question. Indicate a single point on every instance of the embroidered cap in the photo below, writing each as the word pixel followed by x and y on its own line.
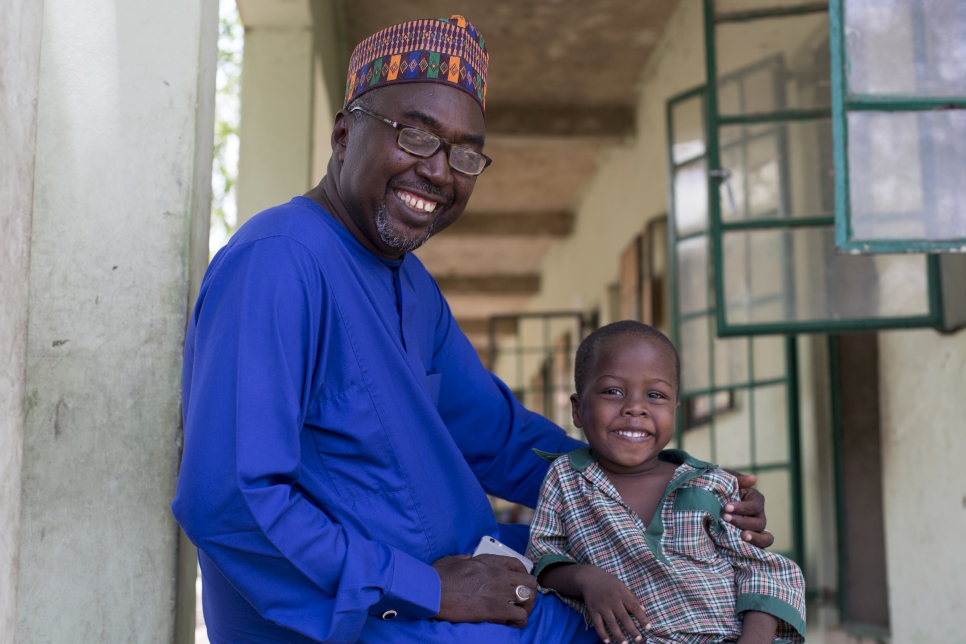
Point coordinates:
pixel 451 52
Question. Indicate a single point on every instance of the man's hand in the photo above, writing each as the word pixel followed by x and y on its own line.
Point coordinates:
pixel 609 602
pixel 748 514
pixel 483 589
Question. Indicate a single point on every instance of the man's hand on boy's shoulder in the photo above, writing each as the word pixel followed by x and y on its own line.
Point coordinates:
pixel 748 514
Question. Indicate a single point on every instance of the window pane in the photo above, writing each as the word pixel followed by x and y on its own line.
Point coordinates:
pixel 794 275
pixel 691 198
pixel 769 357
pixel 732 432
pixel 777 171
pixel 730 361
pixel 688 129
pixel 906 47
pixel 770 64
pixel 693 275
pixel 906 172
pixel 771 425
pixel 776 487
pixel 697 442
pixel 694 350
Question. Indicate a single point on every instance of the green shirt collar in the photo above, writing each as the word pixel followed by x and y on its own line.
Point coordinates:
pixel 580 459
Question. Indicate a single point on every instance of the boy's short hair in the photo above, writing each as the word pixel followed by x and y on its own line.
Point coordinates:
pixel 587 351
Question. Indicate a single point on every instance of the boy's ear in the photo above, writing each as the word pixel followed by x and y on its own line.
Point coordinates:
pixel 575 408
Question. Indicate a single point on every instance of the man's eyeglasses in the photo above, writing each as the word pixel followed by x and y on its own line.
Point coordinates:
pixel 424 144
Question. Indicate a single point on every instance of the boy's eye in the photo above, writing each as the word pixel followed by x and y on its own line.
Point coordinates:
pixel 612 391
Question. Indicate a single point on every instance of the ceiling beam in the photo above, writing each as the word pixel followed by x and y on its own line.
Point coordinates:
pixel 602 121
pixel 489 284
pixel 554 224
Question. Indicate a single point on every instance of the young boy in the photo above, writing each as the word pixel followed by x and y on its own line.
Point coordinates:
pixel 631 535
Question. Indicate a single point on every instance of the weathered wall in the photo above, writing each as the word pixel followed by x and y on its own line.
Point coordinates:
pixel 20 30
pixel 275 156
pixel 922 383
pixel 124 119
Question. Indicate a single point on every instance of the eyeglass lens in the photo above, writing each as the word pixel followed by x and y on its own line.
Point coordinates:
pixel 424 144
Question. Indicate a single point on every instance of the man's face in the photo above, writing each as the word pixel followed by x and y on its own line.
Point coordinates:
pixel 628 403
pixel 380 184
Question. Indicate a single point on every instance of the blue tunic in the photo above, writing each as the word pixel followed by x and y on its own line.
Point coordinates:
pixel 340 436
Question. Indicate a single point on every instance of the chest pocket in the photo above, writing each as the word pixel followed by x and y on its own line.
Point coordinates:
pixel 353 446
pixel 695 514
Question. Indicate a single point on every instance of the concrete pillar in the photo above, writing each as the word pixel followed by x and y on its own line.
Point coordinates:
pixel 20 28
pixel 922 380
pixel 120 207
pixel 275 153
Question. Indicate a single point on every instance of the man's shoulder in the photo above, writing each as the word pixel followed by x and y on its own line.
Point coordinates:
pixel 299 219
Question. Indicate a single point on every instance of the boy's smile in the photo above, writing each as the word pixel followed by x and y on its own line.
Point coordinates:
pixel 628 404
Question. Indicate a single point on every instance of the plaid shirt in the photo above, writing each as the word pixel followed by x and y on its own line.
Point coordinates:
pixel 691 570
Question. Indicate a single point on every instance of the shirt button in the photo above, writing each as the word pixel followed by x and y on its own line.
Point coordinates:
pixel 389 615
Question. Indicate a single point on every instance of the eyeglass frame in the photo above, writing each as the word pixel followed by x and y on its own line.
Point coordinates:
pixel 443 143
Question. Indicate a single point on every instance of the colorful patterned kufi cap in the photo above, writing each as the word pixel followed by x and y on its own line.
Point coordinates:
pixel 444 51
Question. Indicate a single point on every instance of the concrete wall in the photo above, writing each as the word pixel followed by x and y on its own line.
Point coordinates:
pixel 123 166
pixel 20 29
pixel 275 155
pixel 922 384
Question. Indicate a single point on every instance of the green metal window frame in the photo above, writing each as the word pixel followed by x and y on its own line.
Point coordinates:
pixel 716 121
pixel 843 102
pixel 792 465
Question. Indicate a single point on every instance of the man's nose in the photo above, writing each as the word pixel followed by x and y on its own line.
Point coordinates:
pixel 436 169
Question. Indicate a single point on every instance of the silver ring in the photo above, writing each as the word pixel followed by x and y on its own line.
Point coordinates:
pixel 523 593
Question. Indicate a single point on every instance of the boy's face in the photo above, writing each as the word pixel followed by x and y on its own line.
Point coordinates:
pixel 628 403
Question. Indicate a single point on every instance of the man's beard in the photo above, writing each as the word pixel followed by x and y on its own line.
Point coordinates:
pixel 400 242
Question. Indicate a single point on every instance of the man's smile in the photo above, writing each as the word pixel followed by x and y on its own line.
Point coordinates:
pixel 417 203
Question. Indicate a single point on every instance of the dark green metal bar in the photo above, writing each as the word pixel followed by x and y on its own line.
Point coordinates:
pixel 935 290
pixel 790 222
pixel 700 233
pixel 690 315
pixel 840 132
pixel 765 467
pixel 891 103
pixel 795 450
pixel 827 326
pixel 898 246
pixel 677 165
pixel 715 175
pixel 771 382
pixel 836 402
pixel 780 116
pixel 771 12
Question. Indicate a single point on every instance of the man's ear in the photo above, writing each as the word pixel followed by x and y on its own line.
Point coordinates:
pixel 340 135
pixel 575 409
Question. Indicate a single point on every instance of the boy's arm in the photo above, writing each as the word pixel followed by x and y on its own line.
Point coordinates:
pixel 768 585
pixel 610 604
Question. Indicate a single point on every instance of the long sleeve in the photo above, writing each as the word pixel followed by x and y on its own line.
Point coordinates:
pixel 255 342
pixel 765 582
pixel 495 433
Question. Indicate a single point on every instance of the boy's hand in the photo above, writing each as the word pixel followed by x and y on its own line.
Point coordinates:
pixel 610 604
pixel 748 514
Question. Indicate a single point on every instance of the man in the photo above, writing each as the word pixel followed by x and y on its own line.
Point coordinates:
pixel 340 432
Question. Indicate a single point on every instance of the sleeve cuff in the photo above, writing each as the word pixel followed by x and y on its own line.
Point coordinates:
pixel 549 560
pixel 773 606
pixel 413 592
